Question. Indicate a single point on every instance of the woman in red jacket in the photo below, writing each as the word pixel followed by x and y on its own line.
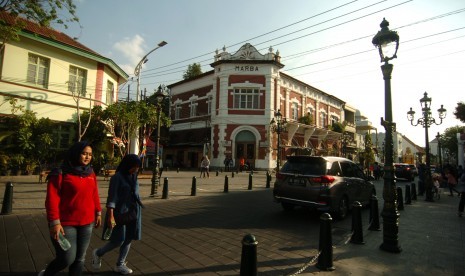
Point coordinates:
pixel 73 209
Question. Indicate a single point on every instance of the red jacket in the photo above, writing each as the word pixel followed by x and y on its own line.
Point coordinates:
pixel 72 200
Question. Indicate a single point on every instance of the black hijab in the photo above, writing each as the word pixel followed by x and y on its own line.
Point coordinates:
pixel 72 163
pixel 128 162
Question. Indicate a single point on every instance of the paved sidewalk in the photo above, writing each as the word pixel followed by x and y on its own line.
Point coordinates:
pixel 201 235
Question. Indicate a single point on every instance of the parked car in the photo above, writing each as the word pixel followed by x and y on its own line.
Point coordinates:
pixel 403 170
pixel 329 184
pixel 414 169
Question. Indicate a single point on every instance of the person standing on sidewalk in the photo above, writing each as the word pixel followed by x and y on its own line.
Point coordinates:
pixel 451 181
pixel 73 209
pixel 205 167
pixel 123 201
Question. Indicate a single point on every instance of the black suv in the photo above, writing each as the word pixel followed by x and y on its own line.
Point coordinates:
pixel 403 170
pixel 329 184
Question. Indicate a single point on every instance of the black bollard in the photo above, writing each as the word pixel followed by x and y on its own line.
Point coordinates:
pixel 7 205
pixel 325 259
pixel 194 186
pixel 249 256
pixel 232 174
pixel 408 196
pixel 226 184
pixel 414 191
pixel 357 235
pixel 374 214
pixel 165 189
pixel 177 170
pixel 400 199
pixel 216 172
pixel 268 179
pixel 250 182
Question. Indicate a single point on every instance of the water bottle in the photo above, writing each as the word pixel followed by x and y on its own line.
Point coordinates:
pixel 108 231
pixel 63 242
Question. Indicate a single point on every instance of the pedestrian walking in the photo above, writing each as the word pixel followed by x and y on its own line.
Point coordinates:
pixel 73 208
pixel 122 222
pixel 451 181
pixel 205 167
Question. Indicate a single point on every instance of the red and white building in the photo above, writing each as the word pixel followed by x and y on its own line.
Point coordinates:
pixel 227 112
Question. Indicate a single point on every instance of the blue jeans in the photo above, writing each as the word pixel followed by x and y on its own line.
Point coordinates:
pixel 79 238
pixel 123 250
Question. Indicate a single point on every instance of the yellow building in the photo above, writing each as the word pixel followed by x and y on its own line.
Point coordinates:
pixel 50 73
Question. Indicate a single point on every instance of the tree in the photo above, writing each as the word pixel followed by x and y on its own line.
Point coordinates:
pixel 193 70
pixel 44 13
pixel 307 119
pixel 460 111
pixel 449 141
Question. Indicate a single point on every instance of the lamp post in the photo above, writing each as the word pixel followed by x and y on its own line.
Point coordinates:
pixel 387 42
pixel 278 125
pixel 438 137
pixel 160 96
pixel 134 145
pixel 426 121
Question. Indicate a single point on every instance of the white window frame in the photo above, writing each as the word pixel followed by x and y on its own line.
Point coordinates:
pixel 323 119
pixel 38 69
pixel 77 80
pixel 177 111
pixel 193 108
pixel 110 92
pixel 209 105
pixel 246 98
pixel 295 111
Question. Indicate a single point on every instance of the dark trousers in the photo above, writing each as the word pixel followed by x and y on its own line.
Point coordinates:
pixel 452 189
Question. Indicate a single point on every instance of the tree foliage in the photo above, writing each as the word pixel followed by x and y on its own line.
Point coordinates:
pixel 448 141
pixel 43 12
pixel 193 70
pixel 460 111
pixel 307 119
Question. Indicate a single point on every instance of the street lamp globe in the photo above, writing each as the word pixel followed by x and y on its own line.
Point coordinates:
pixel 386 41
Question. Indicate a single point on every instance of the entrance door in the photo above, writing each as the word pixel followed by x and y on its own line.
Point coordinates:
pixel 245 148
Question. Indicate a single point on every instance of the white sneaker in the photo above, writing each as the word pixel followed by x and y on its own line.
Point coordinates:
pixel 41 273
pixel 123 269
pixel 96 260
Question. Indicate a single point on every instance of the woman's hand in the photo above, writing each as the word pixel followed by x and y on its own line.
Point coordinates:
pixel 55 229
pixel 98 221
pixel 110 218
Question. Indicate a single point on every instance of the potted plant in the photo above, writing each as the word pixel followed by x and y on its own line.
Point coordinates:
pixel 16 162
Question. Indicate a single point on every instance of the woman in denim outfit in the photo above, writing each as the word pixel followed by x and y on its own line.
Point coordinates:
pixel 123 197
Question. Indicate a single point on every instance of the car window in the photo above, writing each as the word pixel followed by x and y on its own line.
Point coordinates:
pixel 347 169
pixel 308 166
pixel 358 171
pixel 335 169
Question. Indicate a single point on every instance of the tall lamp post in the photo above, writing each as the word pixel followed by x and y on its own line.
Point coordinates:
pixel 426 121
pixel 387 42
pixel 278 125
pixel 134 145
pixel 438 137
pixel 160 95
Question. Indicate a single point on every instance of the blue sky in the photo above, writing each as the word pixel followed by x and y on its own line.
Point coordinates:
pixel 326 44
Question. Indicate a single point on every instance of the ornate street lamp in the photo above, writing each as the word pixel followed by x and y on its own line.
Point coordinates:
pixel 160 95
pixel 387 42
pixel 134 144
pixel 278 125
pixel 438 137
pixel 426 121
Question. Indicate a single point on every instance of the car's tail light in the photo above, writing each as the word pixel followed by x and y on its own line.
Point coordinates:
pixel 324 179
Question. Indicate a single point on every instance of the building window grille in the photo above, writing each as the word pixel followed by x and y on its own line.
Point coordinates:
pixel 77 81
pixel 38 70
pixel 246 98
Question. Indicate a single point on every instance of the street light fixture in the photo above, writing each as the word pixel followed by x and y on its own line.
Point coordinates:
pixel 160 95
pixel 278 124
pixel 134 145
pixel 387 42
pixel 426 121
pixel 438 137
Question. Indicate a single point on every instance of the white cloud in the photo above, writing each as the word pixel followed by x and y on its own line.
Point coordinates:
pixel 132 50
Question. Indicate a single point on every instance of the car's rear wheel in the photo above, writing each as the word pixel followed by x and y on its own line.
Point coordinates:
pixel 287 206
pixel 343 208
